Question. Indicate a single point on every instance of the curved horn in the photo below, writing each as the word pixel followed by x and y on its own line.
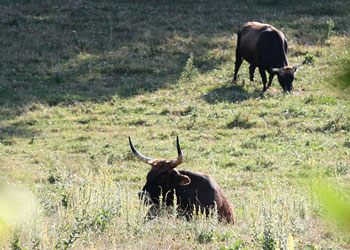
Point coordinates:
pixel 276 70
pixel 298 65
pixel 140 156
pixel 178 161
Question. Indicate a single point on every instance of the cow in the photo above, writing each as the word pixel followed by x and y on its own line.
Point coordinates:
pixel 265 47
pixel 195 193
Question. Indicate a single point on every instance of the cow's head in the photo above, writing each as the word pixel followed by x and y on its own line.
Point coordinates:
pixel 163 178
pixel 286 76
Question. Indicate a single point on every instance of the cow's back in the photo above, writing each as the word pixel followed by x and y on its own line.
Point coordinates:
pixel 252 36
pixel 203 191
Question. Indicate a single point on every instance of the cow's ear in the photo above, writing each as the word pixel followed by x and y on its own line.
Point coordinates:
pixel 183 180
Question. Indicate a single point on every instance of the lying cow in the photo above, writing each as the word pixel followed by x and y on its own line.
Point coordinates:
pixel 194 192
pixel 265 47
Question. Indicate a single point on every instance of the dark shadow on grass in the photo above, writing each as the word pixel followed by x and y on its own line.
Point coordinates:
pixel 230 93
pixel 23 129
pixel 8 133
pixel 96 50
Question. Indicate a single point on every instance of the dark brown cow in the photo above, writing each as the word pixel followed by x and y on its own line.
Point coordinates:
pixel 194 192
pixel 265 47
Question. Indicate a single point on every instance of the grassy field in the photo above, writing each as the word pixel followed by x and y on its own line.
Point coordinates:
pixel 78 77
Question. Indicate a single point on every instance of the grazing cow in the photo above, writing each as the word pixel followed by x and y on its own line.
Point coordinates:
pixel 265 47
pixel 194 191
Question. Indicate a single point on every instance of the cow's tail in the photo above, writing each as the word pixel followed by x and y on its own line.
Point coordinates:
pixel 238 41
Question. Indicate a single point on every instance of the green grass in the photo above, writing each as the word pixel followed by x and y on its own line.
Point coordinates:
pixel 77 79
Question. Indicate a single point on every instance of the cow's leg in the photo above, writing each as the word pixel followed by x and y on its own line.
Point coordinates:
pixel 187 213
pixel 270 80
pixel 251 72
pixel 238 64
pixel 263 76
pixel 152 212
